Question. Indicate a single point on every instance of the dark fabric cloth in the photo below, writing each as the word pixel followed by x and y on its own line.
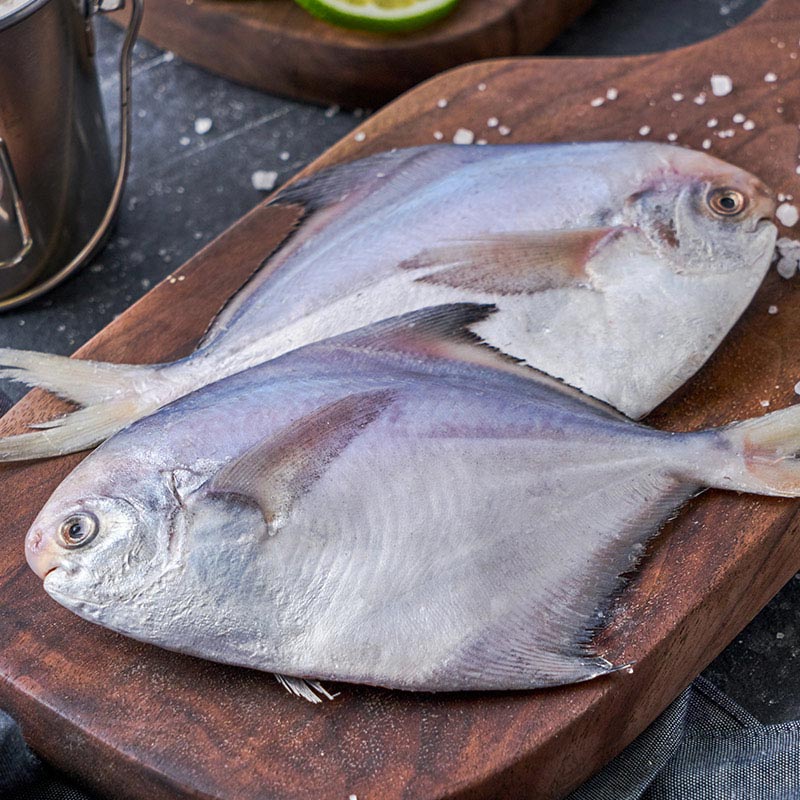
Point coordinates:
pixel 703 747
pixel 23 776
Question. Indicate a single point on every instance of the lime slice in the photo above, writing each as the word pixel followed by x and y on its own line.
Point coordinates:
pixel 379 15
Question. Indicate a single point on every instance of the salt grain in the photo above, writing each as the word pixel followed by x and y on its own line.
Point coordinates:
pixel 360 136
pixel 700 99
pixel 797 388
pixel 772 310
pixel 770 77
pixel 264 180
pixel 721 85
pixel 482 141
pixel 443 103
pixel 644 130
pixel 712 123
pixel 748 124
pixel 184 141
pixel 481 87
pixel 765 403
pixel 672 137
pixel 438 135
pixel 706 144
pixel 202 125
pixel 738 118
pixel 779 635
pixel 492 122
pixel 284 156
pixel 677 97
pixel 788 257
pixel 787 214
pixel 332 111
pixel 463 136
pixel 504 130
pixel 598 101
pixel 612 93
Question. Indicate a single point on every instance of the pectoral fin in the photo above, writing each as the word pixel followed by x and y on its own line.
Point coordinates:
pixel 515 263
pixel 278 471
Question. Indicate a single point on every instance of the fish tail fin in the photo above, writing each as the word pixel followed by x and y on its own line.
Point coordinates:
pixel 111 395
pixel 767 455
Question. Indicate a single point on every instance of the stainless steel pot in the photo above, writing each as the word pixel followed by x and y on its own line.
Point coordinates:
pixel 59 193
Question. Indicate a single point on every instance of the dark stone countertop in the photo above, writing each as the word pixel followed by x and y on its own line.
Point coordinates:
pixel 185 188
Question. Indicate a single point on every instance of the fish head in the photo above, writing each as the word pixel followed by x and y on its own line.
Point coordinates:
pixel 105 536
pixel 705 216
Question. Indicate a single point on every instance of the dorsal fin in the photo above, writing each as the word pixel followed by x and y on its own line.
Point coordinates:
pixel 444 335
pixel 276 472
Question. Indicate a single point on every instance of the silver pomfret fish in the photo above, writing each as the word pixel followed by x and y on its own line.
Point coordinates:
pixel 399 507
pixel 617 267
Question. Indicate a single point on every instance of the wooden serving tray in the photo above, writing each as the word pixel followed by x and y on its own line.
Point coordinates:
pixel 138 722
pixel 276 46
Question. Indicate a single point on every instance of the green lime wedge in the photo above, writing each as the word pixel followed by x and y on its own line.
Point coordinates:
pixel 379 15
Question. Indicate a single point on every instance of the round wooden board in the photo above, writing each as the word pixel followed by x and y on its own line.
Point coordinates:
pixel 138 722
pixel 276 46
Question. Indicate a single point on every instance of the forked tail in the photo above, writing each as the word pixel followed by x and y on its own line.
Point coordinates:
pixel 766 455
pixel 111 395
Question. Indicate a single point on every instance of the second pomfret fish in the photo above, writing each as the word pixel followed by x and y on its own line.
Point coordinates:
pixel 398 506
pixel 617 267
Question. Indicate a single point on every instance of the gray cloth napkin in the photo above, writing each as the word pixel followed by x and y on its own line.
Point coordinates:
pixel 703 747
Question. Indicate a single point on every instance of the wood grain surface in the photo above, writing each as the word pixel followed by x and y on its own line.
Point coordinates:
pixel 138 722
pixel 276 46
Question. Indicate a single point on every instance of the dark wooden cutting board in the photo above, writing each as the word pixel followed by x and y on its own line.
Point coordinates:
pixel 276 46
pixel 139 722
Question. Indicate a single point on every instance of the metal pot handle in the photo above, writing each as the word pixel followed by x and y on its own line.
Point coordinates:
pixel 94 243
pixel 12 212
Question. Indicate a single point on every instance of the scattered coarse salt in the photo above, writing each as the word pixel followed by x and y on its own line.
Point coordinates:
pixel 781 197
pixel 770 77
pixel 677 97
pixel 202 125
pixel 712 123
pixel 788 251
pixel 482 141
pixel 700 99
pixel 748 124
pixel 264 180
pixel 598 101
pixel 672 137
pixel 184 141
pixel 738 118
pixel 726 134
pixel 706 144
pixel 797 169
pixel 442 103
pixel 797 388
pixel 352 797
pixel 772 310
pixel 332 111
pixel 463 136
pixel 765 403
pixel 438 135
pixel 481 87
pixel 284 156
pixel 492 122
pixel 612 93
pixel 360 136
pixel 504 130
pixel 787 214
pixel 629 670
pixel 721 85
pixel 645 130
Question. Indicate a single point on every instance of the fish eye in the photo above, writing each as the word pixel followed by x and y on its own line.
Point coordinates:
pixel 79 529
pixel 726 202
